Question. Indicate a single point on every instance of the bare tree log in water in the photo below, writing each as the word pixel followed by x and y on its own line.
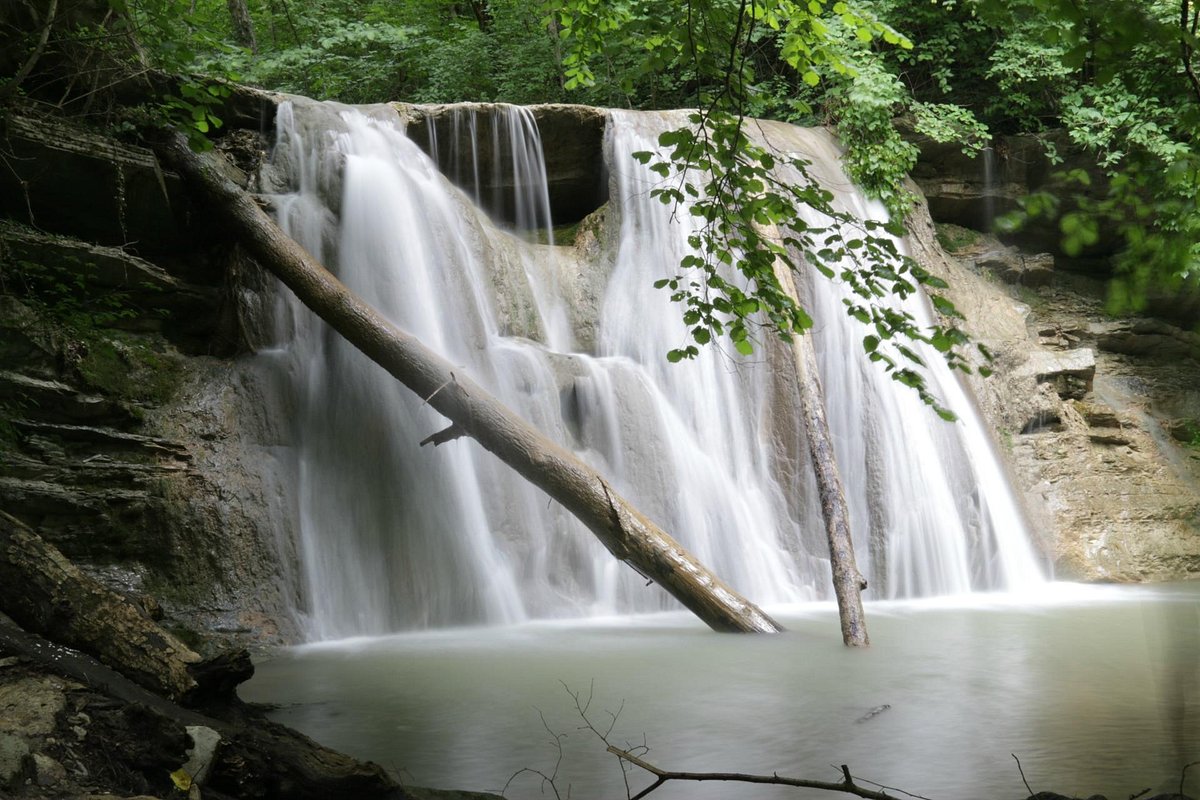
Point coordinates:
pixel 473 412
pixel 848 582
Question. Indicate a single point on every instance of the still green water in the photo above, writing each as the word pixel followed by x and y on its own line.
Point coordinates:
pixel 1095 689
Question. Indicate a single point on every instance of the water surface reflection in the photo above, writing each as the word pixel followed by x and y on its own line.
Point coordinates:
pixel 1096 690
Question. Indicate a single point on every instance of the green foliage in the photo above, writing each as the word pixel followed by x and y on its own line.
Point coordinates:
pixel 1123 79
pixel 954 238
pixel 63 293
pixel 349 60
pixel 140 35
pixel 129 367
pixel 948 122
pixel 877 157
pixel 753 204
pixel 193 110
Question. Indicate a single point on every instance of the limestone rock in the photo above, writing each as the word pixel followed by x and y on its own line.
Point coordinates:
pixel 47 771
pixel 200 755
pixel 15 762
pixel 29 706
pixel 25 339
pixel 1012 266
pixel 1097 415
pixel 1070 372
pixel 84 458
pixel 1146 337
pixel 137 294
pixel 58 400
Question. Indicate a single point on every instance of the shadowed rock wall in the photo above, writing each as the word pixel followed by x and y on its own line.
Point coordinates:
pixel 134 436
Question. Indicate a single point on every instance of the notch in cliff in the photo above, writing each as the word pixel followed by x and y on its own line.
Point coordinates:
pixel 572 143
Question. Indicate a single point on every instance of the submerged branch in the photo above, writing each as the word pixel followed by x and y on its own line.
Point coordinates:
pixel 661 776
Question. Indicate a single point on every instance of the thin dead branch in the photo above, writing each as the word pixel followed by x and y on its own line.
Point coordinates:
pixel 633 755
pixel 548 781
pixel 445 435
pixel 11 86
pixel 1183 775
pixel 661 776
pixel 1021 770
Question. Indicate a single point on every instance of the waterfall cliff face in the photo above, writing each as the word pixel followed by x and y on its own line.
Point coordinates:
pixel 396 537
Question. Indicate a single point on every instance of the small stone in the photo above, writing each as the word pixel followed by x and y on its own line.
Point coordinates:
pixel 79 731
pixel 14 759
pixel 1097 415
pixel 1070 372
pixel 200 757
pixel 48 771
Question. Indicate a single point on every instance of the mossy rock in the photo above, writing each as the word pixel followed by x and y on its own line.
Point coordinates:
pixel 130 367
pixel 956 238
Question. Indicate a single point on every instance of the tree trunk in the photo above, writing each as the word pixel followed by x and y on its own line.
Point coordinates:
pixel 848 582
pixel 243 25
pixel 47 594
pixel 483 14
pixel 627 534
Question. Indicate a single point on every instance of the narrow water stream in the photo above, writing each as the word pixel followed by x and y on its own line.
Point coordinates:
pixel 1096 690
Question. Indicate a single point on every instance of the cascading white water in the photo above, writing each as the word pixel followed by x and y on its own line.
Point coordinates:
pixel 930 502
pixel 395 537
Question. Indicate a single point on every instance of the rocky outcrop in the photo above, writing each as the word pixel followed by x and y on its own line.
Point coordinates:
pixel 72 181
pixel 972 190
pixel 1094 417
pixel 71 727
pixel 124 438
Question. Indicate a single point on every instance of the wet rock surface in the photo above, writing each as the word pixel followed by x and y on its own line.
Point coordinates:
pixel 124 441
pixel 1096 418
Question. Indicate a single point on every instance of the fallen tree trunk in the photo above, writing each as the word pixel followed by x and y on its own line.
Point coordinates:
pixel 256 758
pixel 47 594
pixel 848 582
pixel 473 412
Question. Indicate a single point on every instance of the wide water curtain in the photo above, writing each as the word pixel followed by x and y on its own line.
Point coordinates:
pixel 396 537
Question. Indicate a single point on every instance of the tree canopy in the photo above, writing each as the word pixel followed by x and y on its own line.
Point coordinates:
pixel 1118 76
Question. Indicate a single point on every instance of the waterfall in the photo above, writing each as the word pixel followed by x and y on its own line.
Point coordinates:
pixel 394 537
pixel 989 188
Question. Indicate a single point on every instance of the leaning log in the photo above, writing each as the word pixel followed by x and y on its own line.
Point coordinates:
pixel 47 594
pixel 848 582
pixel 629 536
